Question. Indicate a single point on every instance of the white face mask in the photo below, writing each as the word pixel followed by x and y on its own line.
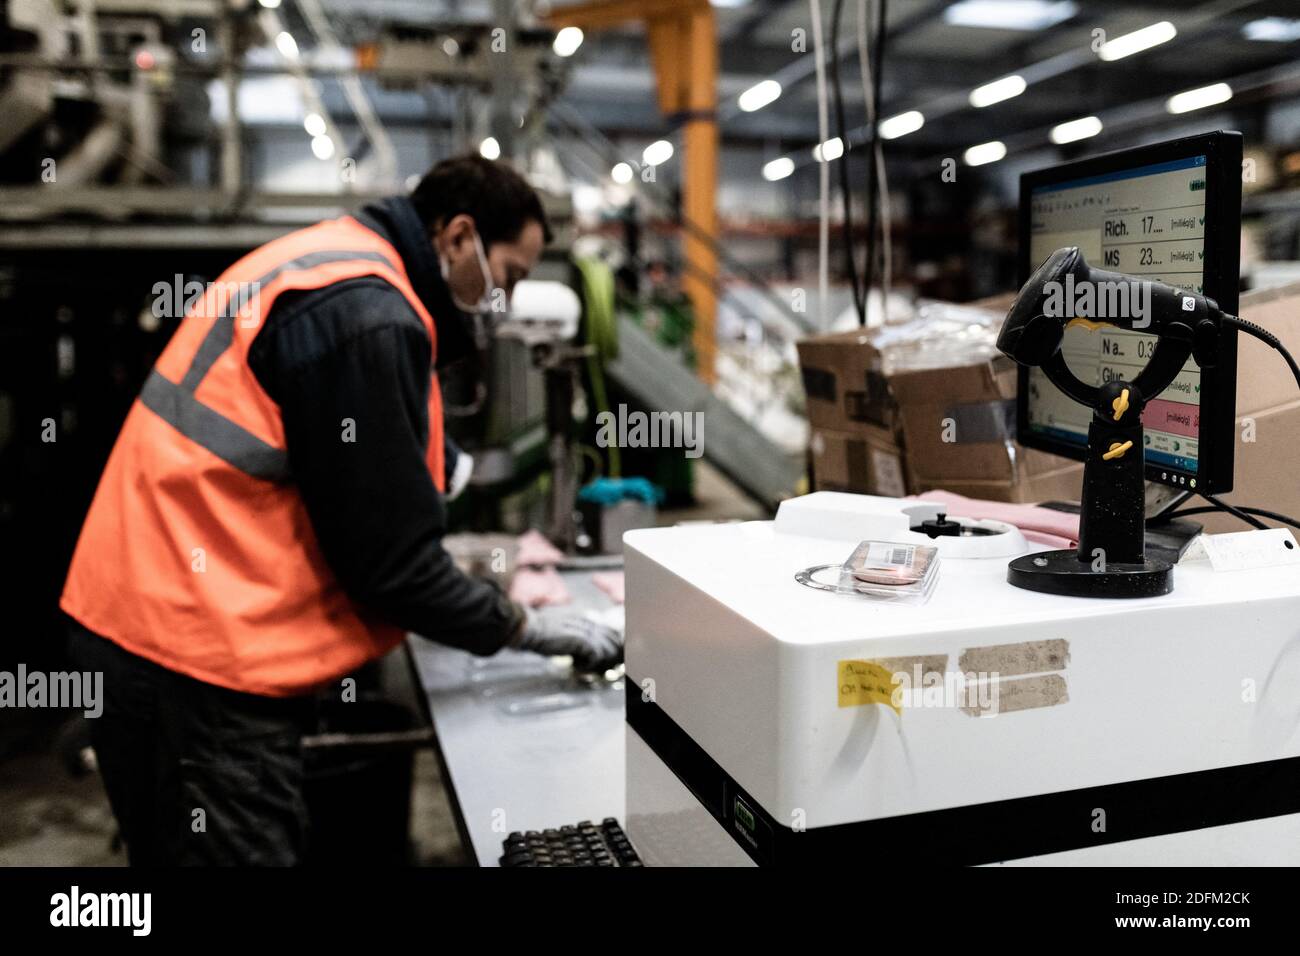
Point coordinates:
pixel 490 290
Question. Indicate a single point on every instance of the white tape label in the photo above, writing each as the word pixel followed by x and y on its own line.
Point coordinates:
pixel 1246 550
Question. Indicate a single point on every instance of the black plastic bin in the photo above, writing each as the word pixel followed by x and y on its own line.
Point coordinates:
pixel 358 784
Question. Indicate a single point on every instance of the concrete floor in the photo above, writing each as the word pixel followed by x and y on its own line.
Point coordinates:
pixel 48 817
pixel 53 819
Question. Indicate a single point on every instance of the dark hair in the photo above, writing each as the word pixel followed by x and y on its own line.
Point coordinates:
pixel 497 198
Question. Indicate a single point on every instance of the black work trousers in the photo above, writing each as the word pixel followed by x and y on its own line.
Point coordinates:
pixel 196 774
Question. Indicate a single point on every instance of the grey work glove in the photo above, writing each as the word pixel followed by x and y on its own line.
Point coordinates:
pixel 593 646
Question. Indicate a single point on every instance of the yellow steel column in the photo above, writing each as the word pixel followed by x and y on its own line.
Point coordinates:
pixel 700 186
pixel 684 48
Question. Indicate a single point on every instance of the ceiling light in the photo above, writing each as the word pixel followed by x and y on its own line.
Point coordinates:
pixel 490 148
pixel 759 95
pixel 322 146
pixel 1075 130
pixel 832 150
pixel 1137 41
pixel 287 45
pixel 1010 14
pixel 985 153
pixel 658 152
pixel 901 125
pixel 1272 30
pixel 314 123
pixel 567 41
pixel 1198 98
pixel 621 174
pixel 997 91
pixel 778 169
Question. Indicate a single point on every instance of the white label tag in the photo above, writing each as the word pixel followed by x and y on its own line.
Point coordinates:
pixel 1245 550
pixel 888 472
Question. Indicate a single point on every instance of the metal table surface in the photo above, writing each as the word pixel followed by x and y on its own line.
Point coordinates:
pixel 525 744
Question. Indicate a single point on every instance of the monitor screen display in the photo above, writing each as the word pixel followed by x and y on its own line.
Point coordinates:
pixel 1146 220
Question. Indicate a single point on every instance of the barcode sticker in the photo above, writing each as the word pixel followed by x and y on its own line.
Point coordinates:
pixel 895 555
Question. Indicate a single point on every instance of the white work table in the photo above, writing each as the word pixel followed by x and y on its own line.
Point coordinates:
pixel 525 744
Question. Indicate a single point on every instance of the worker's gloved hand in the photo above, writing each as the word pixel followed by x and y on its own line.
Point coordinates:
pixel 593 646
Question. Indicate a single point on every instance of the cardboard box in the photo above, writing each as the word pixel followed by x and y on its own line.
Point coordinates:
pixel 945 427
pixel 866 461
pixel 958 427
pixel 1267 463
pixel 843 383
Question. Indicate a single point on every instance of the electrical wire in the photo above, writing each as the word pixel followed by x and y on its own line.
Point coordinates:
pixel 823 202
pixel 1212 509
pixel 1240 513
pixel 873 141
pixel 846 195
pixel 1243 513
pixel 886 217
pixel 1265 336
pixel 1234 511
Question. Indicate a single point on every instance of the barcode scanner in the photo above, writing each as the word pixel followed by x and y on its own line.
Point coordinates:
pixel 1063 292
pixel 1066 291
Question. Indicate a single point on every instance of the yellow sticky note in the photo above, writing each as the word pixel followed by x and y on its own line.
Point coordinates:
pixel 865 682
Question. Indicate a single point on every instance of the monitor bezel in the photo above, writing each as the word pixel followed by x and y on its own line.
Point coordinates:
pixel 1217 438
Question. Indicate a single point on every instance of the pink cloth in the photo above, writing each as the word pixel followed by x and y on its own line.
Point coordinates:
pixel 534 548
pixel 1056 529
pixel 536 583
pixel 611 582
pixel 539 587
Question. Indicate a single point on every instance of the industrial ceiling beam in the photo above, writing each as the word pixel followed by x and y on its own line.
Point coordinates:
pixel 753 18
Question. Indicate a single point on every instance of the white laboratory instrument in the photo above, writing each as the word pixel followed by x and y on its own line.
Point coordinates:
pixel 1032 727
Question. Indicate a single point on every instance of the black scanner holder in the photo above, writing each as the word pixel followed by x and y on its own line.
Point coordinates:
pixel 1110 560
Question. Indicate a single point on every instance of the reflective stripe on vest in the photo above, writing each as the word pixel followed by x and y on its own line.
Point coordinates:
pixel 177 406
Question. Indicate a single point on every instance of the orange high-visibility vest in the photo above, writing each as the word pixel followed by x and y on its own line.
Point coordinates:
pixel 197 552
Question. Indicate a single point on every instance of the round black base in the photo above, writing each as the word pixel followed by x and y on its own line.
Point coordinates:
pixel 1061 572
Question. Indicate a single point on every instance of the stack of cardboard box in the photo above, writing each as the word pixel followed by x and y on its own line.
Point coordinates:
pixel 856 440
pixel 883 432
pixel 877 430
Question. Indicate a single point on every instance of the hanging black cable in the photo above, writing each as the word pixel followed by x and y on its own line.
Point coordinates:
pixel 1235 512
pixel 841 129
pixel 1242 513
pixel 873 201
pixel 1211 509
pixel 1265 336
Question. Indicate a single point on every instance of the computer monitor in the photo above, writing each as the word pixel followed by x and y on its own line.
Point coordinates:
pixel 1171 211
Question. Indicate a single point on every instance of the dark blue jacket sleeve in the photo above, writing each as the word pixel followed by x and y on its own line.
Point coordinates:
pixel 349 366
